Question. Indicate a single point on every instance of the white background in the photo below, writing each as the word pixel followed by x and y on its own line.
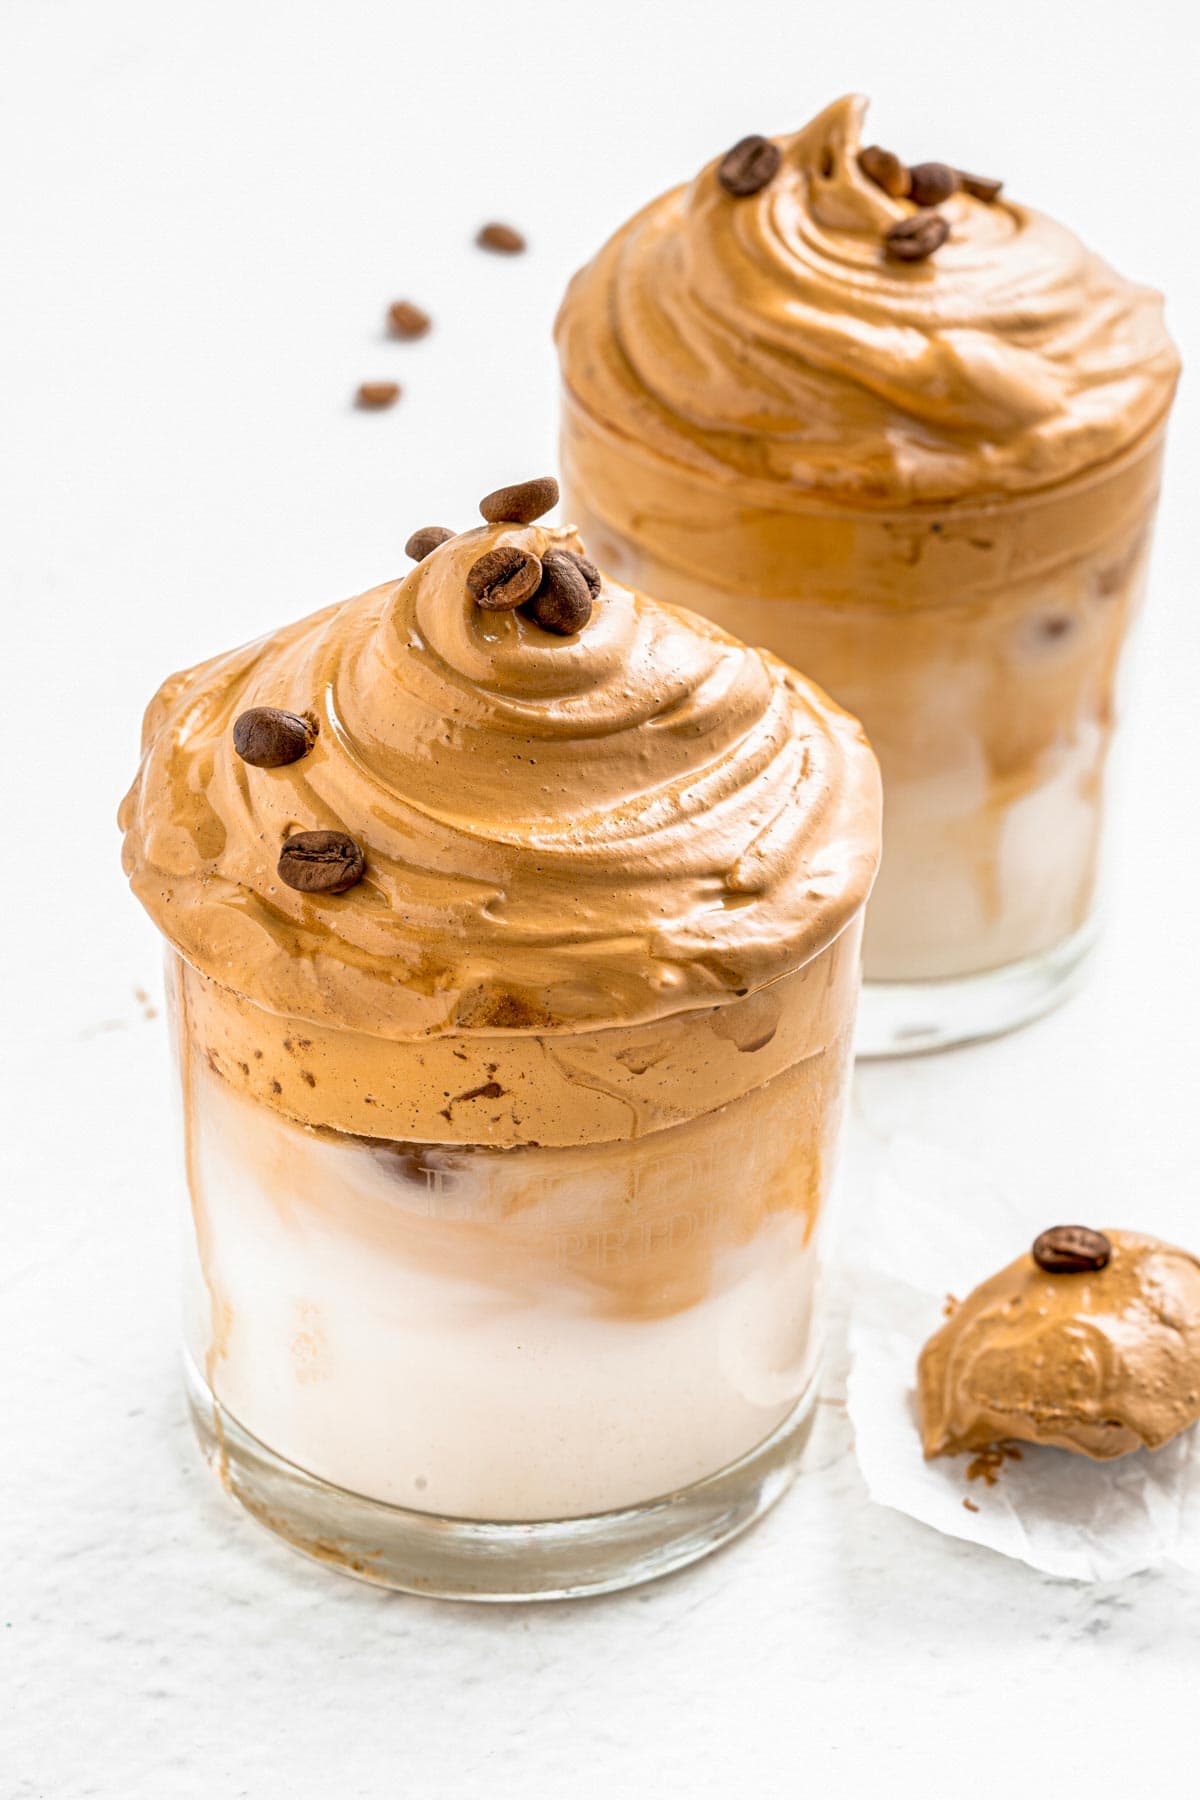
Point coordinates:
pixel 207 209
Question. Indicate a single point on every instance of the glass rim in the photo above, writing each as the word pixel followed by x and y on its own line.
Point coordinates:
pixel 785 497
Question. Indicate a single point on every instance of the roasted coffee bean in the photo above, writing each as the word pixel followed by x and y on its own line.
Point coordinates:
pixel 980 187
pixel 268 737
pixel 932 183
pixel 321 862
pixel 522 503
pixel 748 167
pixel 1071 1250
pixel 885 170
pixel 372 396
pixel 588 570
pixel 502 239
pixel 406 320
pixel 915 238
pixel 428 538
pixel 504 578
pixel 562 603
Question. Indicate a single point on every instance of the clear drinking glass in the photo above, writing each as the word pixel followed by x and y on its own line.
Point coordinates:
pixel 980 647
pixel 548 1369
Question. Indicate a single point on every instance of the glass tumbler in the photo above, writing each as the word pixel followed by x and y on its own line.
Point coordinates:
pixel 504 1369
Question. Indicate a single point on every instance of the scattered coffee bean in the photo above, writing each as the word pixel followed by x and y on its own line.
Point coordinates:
pixel 522 503
pixel 504 578
pixel 980 187
pixel 748 167
pixel 268 738
pixel 885 170
pixel 503 239
pixel 562 603
pixel 588 570
pixel 1071 1250
pixel 428 538
pixel 406 320
pixel 915 238
pixel 372 396
pixel 321 862
pixel 932 183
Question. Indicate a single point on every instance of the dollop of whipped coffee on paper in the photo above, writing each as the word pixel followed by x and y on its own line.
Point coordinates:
pixel 559 832
pixel 939 1223
pixel 1101 1360
pixel 770 337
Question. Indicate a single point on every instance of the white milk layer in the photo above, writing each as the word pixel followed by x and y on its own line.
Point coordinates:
pixel 338 1320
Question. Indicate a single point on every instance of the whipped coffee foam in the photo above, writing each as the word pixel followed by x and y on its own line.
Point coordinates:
pixel 770 339
pixel 560 833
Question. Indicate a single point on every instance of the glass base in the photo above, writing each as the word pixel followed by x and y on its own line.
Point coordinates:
pixel 902 1018
pixel 466 1559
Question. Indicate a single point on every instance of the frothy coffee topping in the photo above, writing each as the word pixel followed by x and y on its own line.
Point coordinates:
pixel 770 336
pixel 558 831
pixel 1098 1353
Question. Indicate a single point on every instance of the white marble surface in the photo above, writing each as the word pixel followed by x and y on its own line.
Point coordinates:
pixel 212 206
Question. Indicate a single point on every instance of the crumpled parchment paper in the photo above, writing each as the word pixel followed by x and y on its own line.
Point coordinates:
pixel 938 1227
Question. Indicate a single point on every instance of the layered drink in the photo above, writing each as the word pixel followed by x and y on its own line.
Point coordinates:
pixel 908 434
pixel 514 978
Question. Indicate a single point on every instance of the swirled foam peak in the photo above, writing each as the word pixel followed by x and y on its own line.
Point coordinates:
pixel 559 833
pixel 770 338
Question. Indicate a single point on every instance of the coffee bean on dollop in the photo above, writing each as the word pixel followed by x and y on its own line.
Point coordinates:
pixel 748 167
pixel 885 170
pixel 321 862
pixel 426 539
pixel 521 503
pixel 504 578
pixel 932 182
pixel 913 239
pixel 562 603
pixel 268 738
pixel 1071 1250
pixel 980 187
